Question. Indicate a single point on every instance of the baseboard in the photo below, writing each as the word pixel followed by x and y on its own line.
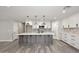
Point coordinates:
pixel 6 40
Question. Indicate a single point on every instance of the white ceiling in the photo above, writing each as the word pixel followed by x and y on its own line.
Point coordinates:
pixel 20 13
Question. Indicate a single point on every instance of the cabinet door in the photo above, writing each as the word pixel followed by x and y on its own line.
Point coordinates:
pixel 29 39
pixel 39 38
pixel 32 39
pixel 25 40
pixel 50 39
pixel 46 39
pixel 77 45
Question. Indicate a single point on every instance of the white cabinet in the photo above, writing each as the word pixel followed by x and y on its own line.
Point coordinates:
pixel 71 39
pixel 41 23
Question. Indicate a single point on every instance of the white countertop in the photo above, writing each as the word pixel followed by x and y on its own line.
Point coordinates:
pixel 48 33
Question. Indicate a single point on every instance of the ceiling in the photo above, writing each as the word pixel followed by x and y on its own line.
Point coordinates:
pixel 20 13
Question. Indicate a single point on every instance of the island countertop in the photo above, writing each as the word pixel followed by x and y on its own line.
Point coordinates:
pixel 47 33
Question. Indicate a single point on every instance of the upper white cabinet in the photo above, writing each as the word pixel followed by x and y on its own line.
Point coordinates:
pixel 36 24
pixel 71 21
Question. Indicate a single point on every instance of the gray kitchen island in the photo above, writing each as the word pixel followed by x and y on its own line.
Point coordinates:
pixel 35 38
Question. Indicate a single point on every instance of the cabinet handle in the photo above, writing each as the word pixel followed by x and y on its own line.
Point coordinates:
pixel 73 39
pixel 72 35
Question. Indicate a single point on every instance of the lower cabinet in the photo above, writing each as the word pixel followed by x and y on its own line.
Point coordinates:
pixel 35 39
pixel 71 39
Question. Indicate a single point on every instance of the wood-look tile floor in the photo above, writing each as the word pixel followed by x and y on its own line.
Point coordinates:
pixel 57 47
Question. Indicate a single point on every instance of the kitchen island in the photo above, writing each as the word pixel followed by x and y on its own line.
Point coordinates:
pixel 35 38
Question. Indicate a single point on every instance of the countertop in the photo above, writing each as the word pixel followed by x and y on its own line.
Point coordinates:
pixel 47 33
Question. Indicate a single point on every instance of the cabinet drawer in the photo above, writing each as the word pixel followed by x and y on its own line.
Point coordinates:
pixel 76 45
pixel 75 39
pixel 72 40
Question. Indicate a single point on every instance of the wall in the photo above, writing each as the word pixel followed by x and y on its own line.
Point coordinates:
pixel 6 30
pixel 55 29
pixel 15 27
pixel 72 21
pixel 20 27
pixel 9 29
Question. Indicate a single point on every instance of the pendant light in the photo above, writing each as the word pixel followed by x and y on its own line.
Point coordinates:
pixel 35 20
pixel 43 21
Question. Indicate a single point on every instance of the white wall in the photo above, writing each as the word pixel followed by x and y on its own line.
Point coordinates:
pixel 15 27
pixel 55 29
pixel 20 27
pixel 6 30
pixel 72 21
pixel 9 29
